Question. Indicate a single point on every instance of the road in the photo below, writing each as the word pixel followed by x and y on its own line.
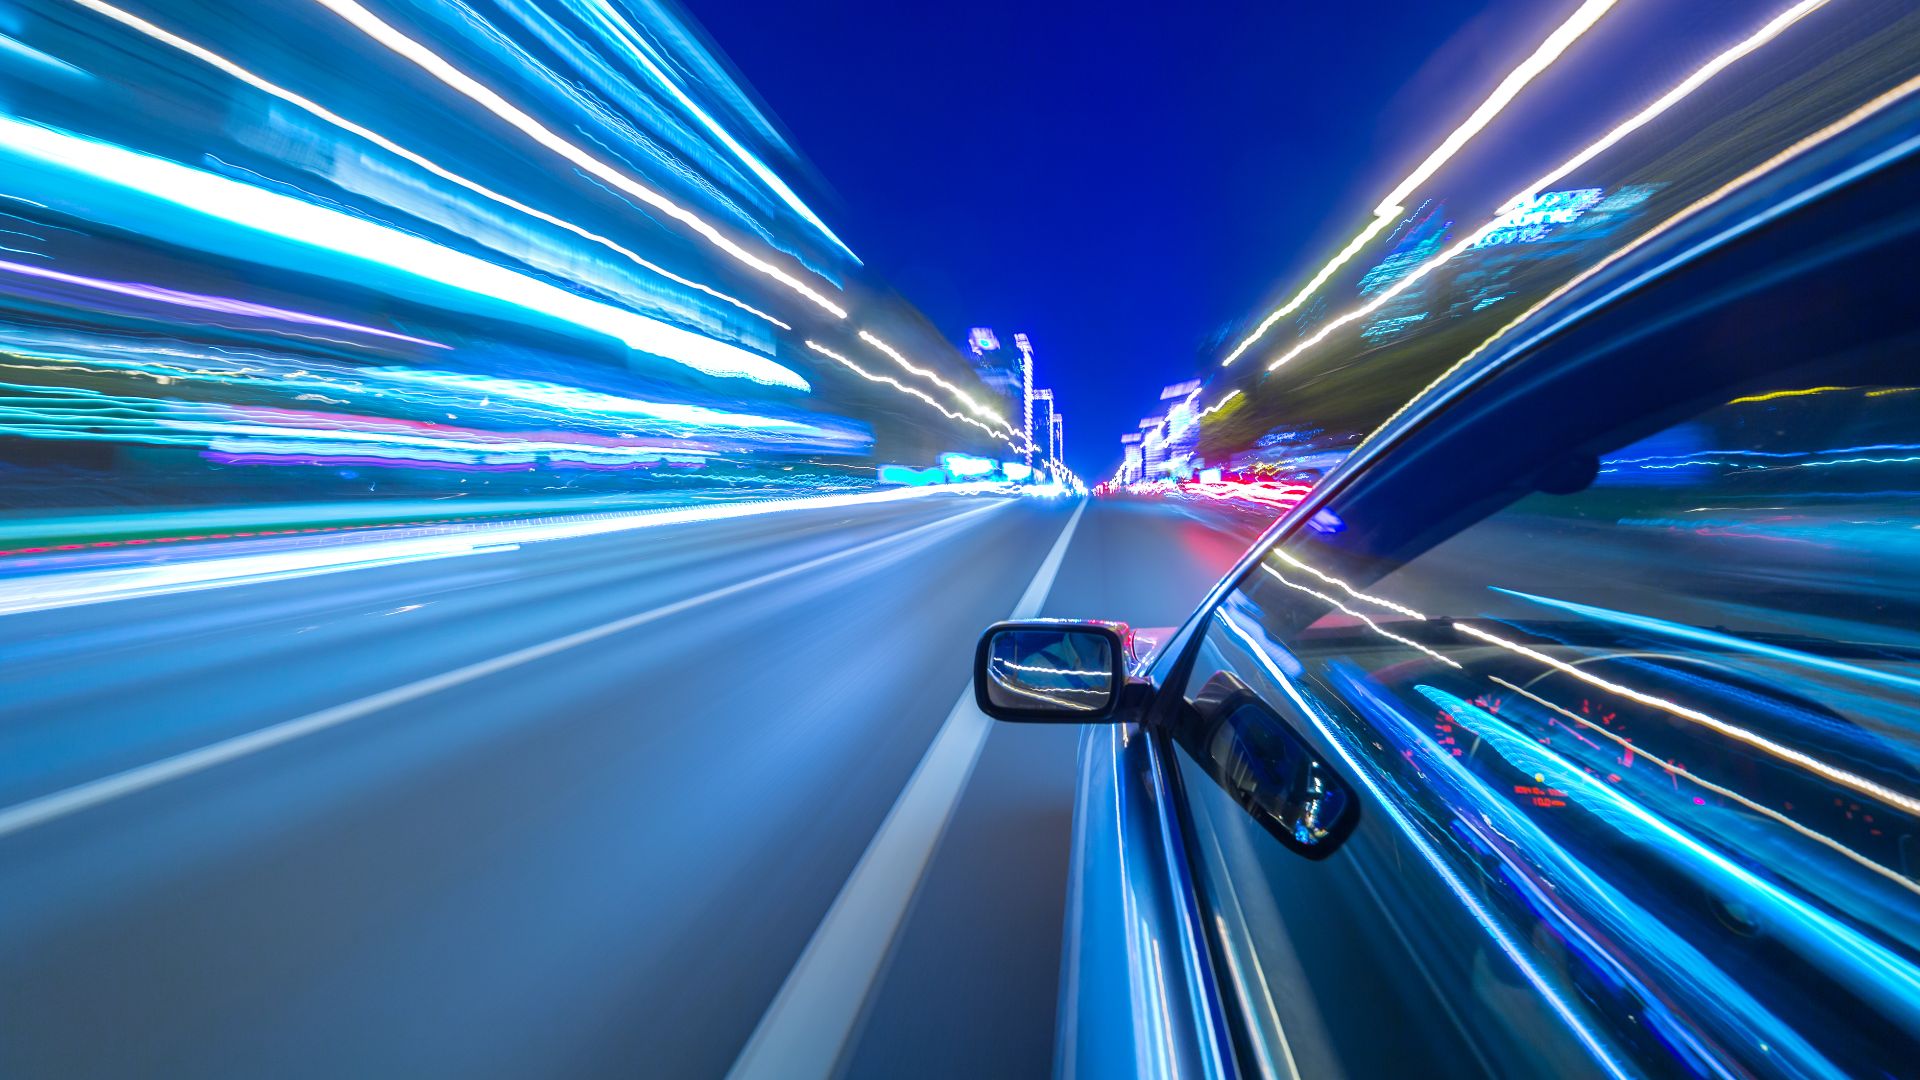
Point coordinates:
pixel 576 808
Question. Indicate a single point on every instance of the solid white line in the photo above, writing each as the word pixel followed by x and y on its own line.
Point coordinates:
pixel 805 1030
pixel 39 811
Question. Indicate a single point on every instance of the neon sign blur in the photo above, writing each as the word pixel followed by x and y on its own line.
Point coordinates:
pixel 1534 219
pixel 150 192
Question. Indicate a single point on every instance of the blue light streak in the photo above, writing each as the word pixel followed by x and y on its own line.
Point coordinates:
pixel 1875 973
pixel 149 193
pixel 1576 1023
pixel 1715 640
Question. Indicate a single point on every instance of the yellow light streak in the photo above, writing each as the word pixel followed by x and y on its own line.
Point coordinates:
pixel 1778 394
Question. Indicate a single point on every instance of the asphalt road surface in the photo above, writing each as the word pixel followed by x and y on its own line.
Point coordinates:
pixel 578 808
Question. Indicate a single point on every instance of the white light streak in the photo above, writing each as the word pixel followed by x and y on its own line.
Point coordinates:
pixel 1346 588
pixel 1665 102
pixel 321 112
pixel 1353 248
pixel 1218 405
pixel 1725 792
pixel 1374 626
pixel 1389 208
pixel 321 228
pixel 45 591
pixel 1849 780
pixel 1898 93
pixel 905 389
pixel 1468 896
pixel 1543 57
pixel 972 404
pixel 1679 93
pixel 433 64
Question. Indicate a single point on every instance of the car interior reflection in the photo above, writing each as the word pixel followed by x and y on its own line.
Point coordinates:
pixel 1826 770
pixel 1267 769
pixel 1264 650
pixel 1626 747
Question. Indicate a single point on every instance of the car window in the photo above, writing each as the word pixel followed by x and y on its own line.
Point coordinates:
pixel 1639 751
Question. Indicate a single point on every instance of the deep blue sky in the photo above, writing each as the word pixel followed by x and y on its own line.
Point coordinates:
pixel 1121 184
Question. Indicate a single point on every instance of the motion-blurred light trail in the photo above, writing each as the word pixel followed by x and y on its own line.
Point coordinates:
pixel 973 404
pixel 1626 745
pixel 39 811
pixel 905 389
pixel 621 30
pixel 1346 254
pixel 1389 208
pixel 1719 641
pixel 1680 91
pixel 1360 615
pixel 42 593
pixel 434 64
pixel 1823 769
pixel 301 557
pixel 1419 838
pixel 1542 58
pixel 1225 400
pixel 1341 584
pixel 1853 119
pixel 586 420
pixel 55 159
pixel 326 115
pixel 223 305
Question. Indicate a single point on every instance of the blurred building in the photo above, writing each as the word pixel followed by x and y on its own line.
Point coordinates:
pixel 1046 424
pixel 1165 446
pixel 1417 240
pixel 1132 465
pixel 998 368
pixel 1550 225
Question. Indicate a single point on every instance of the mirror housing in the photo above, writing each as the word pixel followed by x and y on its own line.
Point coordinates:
pixel 1267 768
pixel 1055 672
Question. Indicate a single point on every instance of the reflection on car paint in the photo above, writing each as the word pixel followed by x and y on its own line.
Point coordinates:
pixel 1403 812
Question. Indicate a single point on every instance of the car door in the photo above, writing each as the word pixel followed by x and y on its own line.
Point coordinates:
pixel 1617 653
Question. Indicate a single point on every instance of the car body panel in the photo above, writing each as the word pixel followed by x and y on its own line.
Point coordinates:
pixel 1143 972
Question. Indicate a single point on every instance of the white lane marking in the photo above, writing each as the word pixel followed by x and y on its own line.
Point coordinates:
pixel 39 811
pixel 39 592
pixel 805 1030
pixel 35 592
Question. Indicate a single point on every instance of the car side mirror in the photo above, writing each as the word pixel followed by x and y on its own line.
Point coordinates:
pixel 1266 767
pixel 1053 672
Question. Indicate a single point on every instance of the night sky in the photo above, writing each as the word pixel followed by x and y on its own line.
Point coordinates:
pixel 1122 185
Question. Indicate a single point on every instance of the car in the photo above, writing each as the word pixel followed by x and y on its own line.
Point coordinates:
pixel 1571 727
